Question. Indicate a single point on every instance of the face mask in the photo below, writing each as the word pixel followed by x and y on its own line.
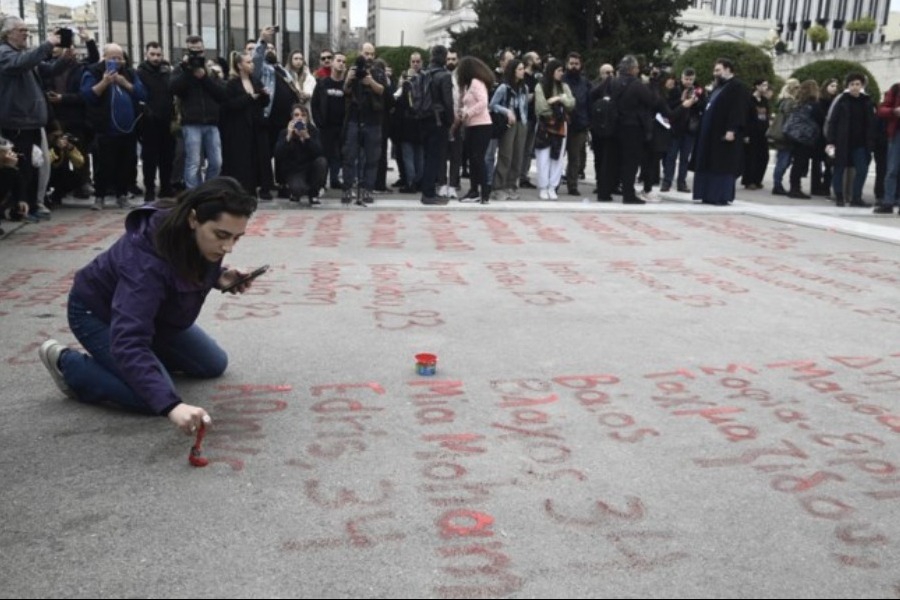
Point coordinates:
pixel 271 59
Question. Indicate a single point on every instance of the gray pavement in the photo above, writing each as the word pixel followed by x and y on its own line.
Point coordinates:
pixel 655 401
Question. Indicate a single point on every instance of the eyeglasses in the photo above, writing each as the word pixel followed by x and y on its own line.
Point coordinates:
pixel 326 57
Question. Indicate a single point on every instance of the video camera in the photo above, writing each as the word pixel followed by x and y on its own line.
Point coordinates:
pixel 196 60
pixel 66 37
pixel 361 70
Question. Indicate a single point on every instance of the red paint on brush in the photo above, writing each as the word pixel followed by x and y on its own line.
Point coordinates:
pixel 194 457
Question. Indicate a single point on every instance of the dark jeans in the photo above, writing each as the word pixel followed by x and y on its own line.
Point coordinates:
pixel 859 159
pixel 157 154
pixel 454 157
pixel 116 157
pixel 434 143
pixel 309 179
pixel 609 169
pixel 477 140
pixel 362 150
pixel 756 159
pixel 679 149
pixel 25 186
pixel 800 166
pixel 95 377
pixel 331 143
pixel 632 147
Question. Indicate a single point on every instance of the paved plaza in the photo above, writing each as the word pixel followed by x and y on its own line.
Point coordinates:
pixel 667 400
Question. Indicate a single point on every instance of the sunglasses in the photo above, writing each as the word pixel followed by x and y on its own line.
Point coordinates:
pixel 328 57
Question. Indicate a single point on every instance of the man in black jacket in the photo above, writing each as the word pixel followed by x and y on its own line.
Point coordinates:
pixel 850 133
pixel 684 130
pixel 637 105
pixel 328 110
pixel 157 141
pixel 200 97
pixel 580 122
pixel 435 129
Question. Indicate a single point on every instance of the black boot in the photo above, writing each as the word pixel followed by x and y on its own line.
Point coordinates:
pixel 485 194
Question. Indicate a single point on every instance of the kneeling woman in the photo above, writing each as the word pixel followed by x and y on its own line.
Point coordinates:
pixel 133 307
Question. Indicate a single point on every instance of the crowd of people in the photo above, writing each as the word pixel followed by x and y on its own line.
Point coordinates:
pixel 74 124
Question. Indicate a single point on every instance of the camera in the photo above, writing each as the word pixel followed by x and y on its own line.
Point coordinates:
pixel 196 60
pixel 70 138
pixel 66 37
pixel 112 65
pixel 361 70
pixel 276 28
pixel 299 126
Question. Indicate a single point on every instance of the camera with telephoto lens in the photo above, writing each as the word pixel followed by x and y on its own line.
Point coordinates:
pixel 196 60
pixel 361 70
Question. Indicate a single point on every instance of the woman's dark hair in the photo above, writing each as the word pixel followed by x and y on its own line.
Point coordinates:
pixel 175 240
pixel 303 108
pixel 509 73
pixel 824 89
pixel 470 68
pixel 548 81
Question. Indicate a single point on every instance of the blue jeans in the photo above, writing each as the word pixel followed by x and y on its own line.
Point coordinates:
pixel 361 159
pixel 200 141
pixel 859 159
pixel 679 147
pixel 782 162
pixel 96 379
pixel 893 167
pixel 413 162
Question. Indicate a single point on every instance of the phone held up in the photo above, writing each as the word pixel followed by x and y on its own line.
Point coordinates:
pixel 245 279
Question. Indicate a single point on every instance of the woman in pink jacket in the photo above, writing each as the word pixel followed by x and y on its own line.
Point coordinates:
pixel 475 79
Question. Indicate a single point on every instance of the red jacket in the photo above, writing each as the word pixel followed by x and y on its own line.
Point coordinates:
pixel 886 110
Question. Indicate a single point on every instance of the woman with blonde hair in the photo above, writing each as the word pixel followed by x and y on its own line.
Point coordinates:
pixel 246 152
pixel 787 100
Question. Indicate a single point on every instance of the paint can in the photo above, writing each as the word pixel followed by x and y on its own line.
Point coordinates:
pixel 426 364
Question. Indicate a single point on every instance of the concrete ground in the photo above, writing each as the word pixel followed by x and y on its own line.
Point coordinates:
pixel 651 401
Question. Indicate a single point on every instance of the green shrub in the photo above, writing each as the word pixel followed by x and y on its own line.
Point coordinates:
pixel 750 62
pixel 821 70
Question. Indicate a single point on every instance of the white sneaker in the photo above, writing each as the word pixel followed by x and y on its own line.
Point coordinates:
pixel 451 192
pixel 442 192
pixel 543 194
pixel 511 194
pixel 50 351
pixel 649 197
pixel 98 203
pixel 552 194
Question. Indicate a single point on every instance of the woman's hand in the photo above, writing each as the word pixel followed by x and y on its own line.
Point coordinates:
pixel 188 418
pixel 229 277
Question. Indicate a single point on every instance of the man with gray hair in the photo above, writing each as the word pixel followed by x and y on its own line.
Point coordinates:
pixel 23 106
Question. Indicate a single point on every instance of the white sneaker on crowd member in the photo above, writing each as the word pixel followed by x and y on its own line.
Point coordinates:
pixel 451 192
pixel 543 194
pixel 511 194
pixel 124 202
pixel 442 192
pixel 650 197
pixel 552 193
pixel 98 203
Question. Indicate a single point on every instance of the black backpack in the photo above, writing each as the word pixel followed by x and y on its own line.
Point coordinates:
pixel 421 102
pixel 605 110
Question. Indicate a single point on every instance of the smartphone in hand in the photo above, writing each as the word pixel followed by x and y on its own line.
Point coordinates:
pixel 246 278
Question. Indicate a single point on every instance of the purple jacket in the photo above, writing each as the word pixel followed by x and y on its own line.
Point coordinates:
pixel 143 299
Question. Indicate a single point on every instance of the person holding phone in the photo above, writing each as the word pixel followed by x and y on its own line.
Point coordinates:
pixel 301 157
pixel 113 92
pixel 133 308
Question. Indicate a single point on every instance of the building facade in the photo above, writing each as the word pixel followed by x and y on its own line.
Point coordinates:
pixel 791 18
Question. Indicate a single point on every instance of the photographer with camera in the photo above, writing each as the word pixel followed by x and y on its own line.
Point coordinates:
pixel 9 175
pixel 201 97
pixel 113 92
pixel 66 163
pixel 62 82
pixel 301 158
pixel 23 105
pixel 364 86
